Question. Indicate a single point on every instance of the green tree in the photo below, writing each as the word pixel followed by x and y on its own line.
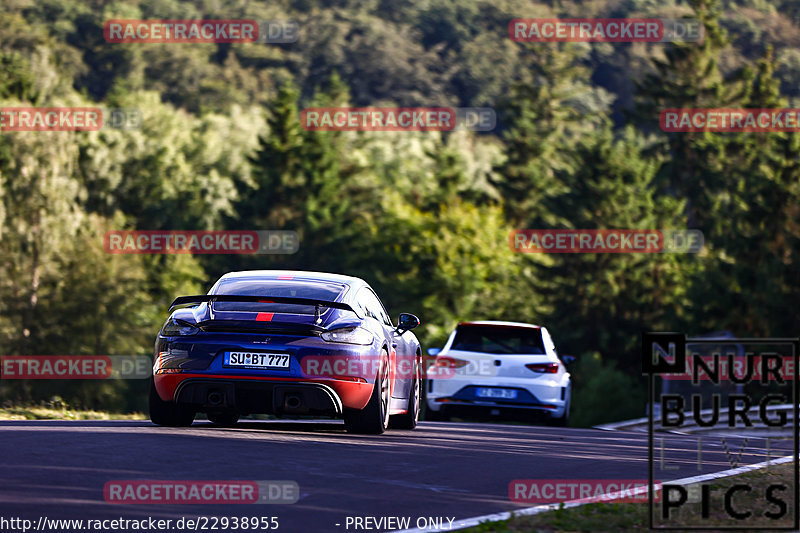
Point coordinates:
pixel 303 181
pixel 544 117
pixel 42 214
pixel 605 301
pixel 602 393
pixel 446 265
pixel 177 171
pixel 689 77
pixel 750 279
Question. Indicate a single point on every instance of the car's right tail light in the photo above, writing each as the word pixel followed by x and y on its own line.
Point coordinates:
pixel 543 368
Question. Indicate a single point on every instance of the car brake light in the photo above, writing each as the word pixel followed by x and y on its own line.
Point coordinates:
pixel 165 364
pixel 169 371
pixel 450 362
pixel 350 378
pixel 543 368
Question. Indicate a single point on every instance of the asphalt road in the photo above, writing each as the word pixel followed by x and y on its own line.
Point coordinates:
pixel 58 469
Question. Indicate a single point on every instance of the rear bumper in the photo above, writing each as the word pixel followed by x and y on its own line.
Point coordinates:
pixel 467 410
pixel 457 402
pixel 267 395
pixel 548 400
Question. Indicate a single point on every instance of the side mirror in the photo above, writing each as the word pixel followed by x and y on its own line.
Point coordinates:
pixel 407 321
pixel 568 359
pixel 433 352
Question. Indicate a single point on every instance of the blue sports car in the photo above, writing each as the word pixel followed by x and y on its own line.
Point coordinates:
pixel 287 343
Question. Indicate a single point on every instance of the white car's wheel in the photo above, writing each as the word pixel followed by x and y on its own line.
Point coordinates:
pixel 563 420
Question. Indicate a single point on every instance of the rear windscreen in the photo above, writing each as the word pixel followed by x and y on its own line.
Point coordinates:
pixel 498 340
pixel 326 291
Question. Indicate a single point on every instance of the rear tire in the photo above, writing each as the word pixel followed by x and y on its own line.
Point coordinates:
pixel 563 421
pixel 374 418
pixel 168 414
pixel 409 419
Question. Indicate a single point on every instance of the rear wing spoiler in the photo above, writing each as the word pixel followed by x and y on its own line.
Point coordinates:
pixel 187 300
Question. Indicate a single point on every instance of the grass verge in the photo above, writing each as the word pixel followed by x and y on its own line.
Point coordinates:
pixel 62 413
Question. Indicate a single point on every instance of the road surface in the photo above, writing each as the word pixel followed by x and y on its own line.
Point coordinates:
pixel 58 469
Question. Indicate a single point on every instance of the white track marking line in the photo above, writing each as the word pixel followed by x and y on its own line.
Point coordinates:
pixel 475 521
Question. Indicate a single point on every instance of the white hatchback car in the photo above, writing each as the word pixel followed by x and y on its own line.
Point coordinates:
pixel 495 368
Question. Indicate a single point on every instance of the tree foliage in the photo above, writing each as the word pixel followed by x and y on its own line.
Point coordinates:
pixel 425 217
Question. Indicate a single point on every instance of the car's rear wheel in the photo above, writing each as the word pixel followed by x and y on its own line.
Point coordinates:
pixel 223 418
pixel 374 418
pixel 409 419
pixel 168 413
pixel 563 420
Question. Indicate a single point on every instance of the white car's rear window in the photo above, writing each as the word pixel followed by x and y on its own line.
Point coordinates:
pixel 498 340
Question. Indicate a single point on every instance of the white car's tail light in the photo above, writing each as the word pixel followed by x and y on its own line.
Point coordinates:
pixel 543 368
pixel 450 362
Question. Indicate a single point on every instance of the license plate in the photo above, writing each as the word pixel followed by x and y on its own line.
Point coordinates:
pixel 257 359
pixel 496 393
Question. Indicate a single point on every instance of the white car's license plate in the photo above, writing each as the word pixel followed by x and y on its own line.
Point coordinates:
pixel 257 359
pixel 484 392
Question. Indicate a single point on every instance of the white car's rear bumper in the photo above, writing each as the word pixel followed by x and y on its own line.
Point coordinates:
pixel 541 393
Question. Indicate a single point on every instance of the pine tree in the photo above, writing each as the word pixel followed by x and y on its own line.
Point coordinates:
pixel 303 180
pixel 604 301
pixel 689 77
pixel 544 117
pixel 752 276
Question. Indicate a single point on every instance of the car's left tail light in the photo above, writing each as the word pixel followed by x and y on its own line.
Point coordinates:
pixel 543 368
pixel 175 327
pixel 167 363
